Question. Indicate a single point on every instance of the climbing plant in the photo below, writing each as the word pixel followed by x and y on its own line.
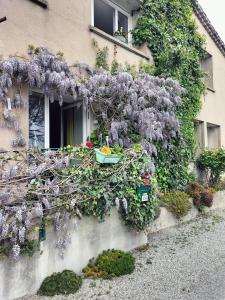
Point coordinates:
pixel 43 70
pixel 168 28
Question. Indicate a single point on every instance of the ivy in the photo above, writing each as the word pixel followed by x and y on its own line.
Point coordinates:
pixel 167 26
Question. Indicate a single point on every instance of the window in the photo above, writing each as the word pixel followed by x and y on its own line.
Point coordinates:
pixel 213 135
pixel 36 120
pixel 207 68
pixel 104 16
pixel 53 126
pixel 122 23
pixel 110 18
pixel 199 133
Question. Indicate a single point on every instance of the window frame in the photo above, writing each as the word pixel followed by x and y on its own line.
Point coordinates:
pixel 46 116
pixel 209 80
pixel 117 9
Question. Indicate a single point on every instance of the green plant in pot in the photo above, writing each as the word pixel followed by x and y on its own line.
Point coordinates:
pixel 121 35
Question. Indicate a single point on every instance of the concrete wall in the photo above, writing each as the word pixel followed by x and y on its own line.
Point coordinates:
pixel 213 102
pixel 167 219
pixel 25 276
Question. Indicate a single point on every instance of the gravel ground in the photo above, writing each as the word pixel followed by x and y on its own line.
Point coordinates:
pixel 186 262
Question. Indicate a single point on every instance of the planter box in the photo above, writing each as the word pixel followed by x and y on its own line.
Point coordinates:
pixel 121 38
pixel 103 158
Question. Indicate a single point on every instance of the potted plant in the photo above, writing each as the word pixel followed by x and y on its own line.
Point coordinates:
pixel 105 156
pixel 121 35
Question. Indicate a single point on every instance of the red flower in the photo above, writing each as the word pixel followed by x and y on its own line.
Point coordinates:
pixel 89 144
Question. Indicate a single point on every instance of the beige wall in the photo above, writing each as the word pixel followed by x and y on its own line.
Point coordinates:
pixel 213 102
pixel 63 26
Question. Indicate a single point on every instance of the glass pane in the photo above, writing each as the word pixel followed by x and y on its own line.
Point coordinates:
pixel 36 120
pixel 104 16
pixel 68 127
pixel 122 23
pixel 72 126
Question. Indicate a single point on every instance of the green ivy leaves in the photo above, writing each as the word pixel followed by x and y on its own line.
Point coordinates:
pixel 167 26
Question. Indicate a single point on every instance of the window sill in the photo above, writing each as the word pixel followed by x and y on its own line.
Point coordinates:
pixel 117 42
pixel 211 90
pixel 42 3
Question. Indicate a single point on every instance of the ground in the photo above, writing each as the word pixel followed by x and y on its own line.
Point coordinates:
pixel 186 262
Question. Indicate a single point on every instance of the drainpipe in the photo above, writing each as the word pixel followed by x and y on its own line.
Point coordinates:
pixel 3 19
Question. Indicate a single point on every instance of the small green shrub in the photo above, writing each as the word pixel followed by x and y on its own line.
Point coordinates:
pixel 202 196
pixel 64 283
pixel 109 264
pixel 177 202
pixel 212 162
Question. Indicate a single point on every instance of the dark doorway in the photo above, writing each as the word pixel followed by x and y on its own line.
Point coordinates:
pixel 55 125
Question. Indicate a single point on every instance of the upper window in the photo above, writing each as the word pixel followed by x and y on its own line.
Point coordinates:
pixel 111 19
pixel 207 68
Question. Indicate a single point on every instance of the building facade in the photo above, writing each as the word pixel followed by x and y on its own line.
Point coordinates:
pixel 71 26
pixel 210 126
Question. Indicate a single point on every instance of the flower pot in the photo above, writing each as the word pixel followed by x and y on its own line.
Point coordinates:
pixel 103 158
pixel 121 38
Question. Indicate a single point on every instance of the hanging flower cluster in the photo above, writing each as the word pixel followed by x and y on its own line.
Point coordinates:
pixel 43 70
pixel 132 109
pixel 38 188
pixel 28 195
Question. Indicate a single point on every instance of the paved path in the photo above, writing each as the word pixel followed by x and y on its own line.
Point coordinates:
pixel 187 262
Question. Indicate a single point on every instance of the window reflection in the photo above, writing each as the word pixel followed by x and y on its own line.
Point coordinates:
pixel 36 120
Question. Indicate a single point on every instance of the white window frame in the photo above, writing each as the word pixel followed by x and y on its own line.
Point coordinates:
pixel 46 116
pixel 117 9
pixel 86 126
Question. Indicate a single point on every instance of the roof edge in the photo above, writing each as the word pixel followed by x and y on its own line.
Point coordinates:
pixel 203 18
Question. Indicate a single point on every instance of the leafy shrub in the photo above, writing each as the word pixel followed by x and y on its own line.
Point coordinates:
pixel 202 196
pixel 212 162
pixel 109 264
pixel 64 283
pixel 177 202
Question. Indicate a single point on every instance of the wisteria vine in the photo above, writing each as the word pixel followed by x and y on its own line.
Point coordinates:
pixel 43 70
pixel 38 188
pixel 141 109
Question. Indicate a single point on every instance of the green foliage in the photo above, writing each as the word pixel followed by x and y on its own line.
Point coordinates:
pixel 212 162
pixel 202 196
pixel 101 56
pixel 171 34
pixel 64 283
pixel 177 202
pixel 109 264
pixel 30 247
pixel 100 185
pixel 115 66
pixel 146 68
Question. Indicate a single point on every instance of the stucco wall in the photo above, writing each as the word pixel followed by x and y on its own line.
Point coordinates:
pixel 63 26
pixel 8 135
pixel 25 276
pixel 213 102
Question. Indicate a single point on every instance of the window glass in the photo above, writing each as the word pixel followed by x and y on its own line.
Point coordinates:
pixel 104 16
pixel 36 120
pixel 213 134
pixel 207 68
pixel 122 23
